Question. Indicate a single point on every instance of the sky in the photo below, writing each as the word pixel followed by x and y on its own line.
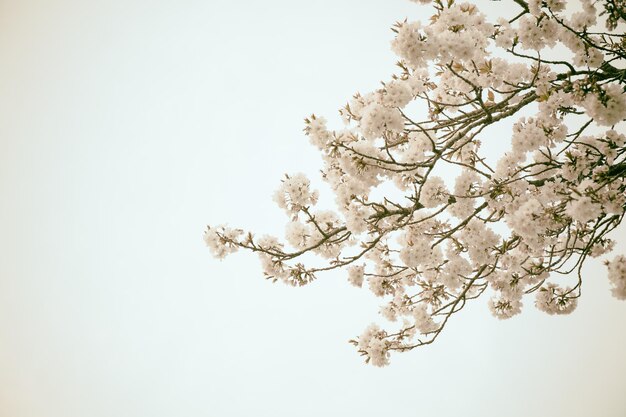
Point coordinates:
pixel 128 126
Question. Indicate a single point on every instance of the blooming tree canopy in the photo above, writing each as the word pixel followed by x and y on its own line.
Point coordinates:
pixel 422 217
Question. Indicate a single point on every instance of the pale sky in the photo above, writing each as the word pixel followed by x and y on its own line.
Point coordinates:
pixel 125 128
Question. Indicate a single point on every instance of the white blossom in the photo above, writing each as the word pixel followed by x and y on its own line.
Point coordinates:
pixel 434 192
pixel 617 276
pixel 607 108
pixel 355 275
pixel 555 300
pixel 222 240
pixel 583 209
pixel 295 194
pixel 371 342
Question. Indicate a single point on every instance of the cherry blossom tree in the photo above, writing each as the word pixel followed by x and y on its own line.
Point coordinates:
pixel 515 228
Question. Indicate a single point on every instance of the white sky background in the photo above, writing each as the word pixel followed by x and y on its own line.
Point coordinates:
pixel 126 127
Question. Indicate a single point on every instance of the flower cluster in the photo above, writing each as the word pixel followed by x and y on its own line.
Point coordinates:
pixel 295 193
pixel 617 276
pixel 423 218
